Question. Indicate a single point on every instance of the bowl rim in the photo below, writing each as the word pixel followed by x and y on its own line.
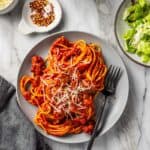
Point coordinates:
pixel 117 38
pixel 9 8
pixel 17 87
pixel 36 29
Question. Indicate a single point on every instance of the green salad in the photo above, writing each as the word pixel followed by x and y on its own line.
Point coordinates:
pixel 137 38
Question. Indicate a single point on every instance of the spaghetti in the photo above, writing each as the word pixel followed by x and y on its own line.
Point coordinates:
pixel 63 86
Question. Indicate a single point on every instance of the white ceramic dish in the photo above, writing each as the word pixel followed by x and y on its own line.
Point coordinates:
pixel 10 7
pixel 110 56
pixel 26 26
pixel 120 28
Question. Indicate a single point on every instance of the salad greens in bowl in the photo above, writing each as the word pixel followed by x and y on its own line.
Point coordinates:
pixel 132 29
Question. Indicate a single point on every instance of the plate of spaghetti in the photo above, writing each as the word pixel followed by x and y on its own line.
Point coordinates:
pixel 59 85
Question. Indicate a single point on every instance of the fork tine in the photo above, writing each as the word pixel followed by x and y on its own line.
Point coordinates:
pixel 113 70
pixel 106 78
pixel 118 75
pixel 114 73
pixel 114 76
pixel 108 75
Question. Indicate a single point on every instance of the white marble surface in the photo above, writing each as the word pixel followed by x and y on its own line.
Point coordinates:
pixel 132 132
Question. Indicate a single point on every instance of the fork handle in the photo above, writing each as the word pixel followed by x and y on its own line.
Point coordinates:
pixel 104 113
pixel 96 131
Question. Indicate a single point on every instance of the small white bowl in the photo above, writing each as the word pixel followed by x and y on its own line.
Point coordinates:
pixel 9 8
pixel 26 26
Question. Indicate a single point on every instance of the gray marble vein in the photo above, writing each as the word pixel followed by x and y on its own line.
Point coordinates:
pixel 132 131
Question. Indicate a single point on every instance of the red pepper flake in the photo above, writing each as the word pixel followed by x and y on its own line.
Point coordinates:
pixel 42 12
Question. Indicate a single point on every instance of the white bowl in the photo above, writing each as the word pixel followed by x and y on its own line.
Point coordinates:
pixel 118 102
pixel 9 8
pixel 26 26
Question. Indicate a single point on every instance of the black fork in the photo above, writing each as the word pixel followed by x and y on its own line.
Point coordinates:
pixel 111 80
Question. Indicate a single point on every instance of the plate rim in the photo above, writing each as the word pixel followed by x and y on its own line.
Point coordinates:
pixel 117 38
pixel 27 55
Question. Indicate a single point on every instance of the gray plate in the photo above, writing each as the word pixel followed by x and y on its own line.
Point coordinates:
pixel 120 28
pixel 111 57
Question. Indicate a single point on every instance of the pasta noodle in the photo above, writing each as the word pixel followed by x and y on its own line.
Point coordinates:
pixel 63 86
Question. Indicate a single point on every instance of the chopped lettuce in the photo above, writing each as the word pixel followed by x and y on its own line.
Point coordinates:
pixel 142 3
pixel 137 38
pixel 145 58
pixel 129 34
pixel 144 47
pixel 147 18
pixel 129 48
pixel 133 13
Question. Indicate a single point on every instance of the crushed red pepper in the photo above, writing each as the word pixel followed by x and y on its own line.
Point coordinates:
pixel 42 12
